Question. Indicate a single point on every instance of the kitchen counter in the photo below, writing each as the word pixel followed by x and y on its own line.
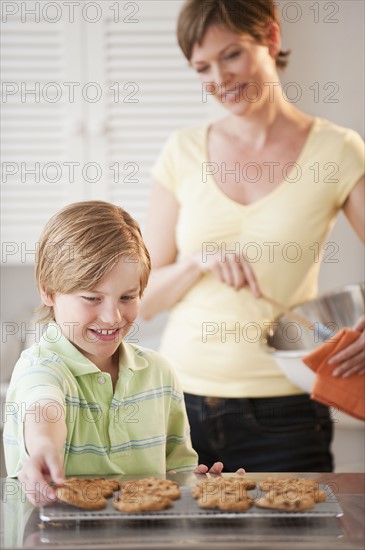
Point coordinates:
pixel 22 528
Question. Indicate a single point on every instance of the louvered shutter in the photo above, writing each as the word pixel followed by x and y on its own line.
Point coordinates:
pixel 123 54
pixel 41 131
pixel 151 91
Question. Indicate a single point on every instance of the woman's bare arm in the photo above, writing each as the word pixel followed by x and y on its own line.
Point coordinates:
pixel 169 280
pixel 354 208
pixel 351 360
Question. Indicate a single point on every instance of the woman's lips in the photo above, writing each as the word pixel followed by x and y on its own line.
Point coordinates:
pixel 234 94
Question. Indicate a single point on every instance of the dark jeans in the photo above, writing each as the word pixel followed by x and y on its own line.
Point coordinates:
pixel 278 434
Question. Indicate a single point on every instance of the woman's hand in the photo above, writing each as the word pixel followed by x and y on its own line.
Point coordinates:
pixel 351 360
pixel 36 474
pixel 229 267
pixel 215 469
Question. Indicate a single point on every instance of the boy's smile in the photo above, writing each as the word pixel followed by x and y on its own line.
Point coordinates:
pixel 105 335
pixel 97 320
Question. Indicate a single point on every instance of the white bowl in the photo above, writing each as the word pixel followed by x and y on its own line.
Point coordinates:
pixel 291 364
pixel 289 342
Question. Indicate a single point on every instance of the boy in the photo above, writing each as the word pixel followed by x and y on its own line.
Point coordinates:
pixel 85 402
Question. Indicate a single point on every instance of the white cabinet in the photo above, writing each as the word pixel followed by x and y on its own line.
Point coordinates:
pixel 90 92
pixel 41 131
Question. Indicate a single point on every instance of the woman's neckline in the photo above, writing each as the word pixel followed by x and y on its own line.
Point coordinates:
pixel 278 188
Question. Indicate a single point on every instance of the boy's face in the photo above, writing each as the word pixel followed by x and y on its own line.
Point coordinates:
pixel 97 320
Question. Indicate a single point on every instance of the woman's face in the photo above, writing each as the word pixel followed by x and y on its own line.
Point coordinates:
pixel 236 69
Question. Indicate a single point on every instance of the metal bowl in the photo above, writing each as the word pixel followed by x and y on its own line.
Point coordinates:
pixel 288 341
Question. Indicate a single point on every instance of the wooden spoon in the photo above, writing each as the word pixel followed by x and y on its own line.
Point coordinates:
pixel 323 332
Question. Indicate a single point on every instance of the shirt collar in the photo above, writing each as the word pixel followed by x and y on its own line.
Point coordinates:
pixel 131 357
pixel 52 339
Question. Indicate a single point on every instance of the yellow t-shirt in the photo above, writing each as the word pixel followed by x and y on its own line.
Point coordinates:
pixel 213 333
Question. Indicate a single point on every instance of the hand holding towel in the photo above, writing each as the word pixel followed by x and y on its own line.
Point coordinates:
pixel 345 394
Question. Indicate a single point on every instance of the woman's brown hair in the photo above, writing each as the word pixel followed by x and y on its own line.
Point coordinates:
pixel 240 16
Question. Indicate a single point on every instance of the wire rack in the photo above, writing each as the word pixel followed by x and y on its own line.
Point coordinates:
pixel 187 508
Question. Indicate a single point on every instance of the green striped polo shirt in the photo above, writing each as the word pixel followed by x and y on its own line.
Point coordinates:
pixel 141 428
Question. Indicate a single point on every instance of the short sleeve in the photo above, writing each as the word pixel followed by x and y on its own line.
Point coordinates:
pixel 36 383
pixel 351 167
pixel 166 169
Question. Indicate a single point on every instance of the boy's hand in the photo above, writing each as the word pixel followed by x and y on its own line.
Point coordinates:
pixel 215 469
pixel 36 474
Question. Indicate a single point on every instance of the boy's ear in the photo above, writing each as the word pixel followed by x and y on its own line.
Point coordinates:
pixel 46 298
pixel 273 37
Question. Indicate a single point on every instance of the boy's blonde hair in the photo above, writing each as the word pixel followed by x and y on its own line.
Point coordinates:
pixel 81 243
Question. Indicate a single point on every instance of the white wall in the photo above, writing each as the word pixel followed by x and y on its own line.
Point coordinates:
pixel 327 52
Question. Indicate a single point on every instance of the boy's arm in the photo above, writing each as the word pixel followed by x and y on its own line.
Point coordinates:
pixel 44 436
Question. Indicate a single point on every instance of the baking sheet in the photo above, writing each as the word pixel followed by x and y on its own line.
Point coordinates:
pixel 187 508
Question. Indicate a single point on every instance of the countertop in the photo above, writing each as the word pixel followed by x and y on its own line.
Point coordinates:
pixel 22 528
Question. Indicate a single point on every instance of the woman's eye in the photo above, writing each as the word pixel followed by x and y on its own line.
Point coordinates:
pixel 232 55
pixel 127 298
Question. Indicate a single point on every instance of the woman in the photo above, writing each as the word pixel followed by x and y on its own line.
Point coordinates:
pixel 238 210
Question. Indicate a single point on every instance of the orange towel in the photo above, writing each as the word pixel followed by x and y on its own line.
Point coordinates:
pixel 345 394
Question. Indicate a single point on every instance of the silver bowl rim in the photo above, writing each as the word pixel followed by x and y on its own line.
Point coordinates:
pixel 299 353
pixel 329 294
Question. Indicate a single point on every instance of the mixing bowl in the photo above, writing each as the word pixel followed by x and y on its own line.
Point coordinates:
pixel 288 341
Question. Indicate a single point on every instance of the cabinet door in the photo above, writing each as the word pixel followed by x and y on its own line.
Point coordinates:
pixel 42 138
pixel 148 91
pixel 90 93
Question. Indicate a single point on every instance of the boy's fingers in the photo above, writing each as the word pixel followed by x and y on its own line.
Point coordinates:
pixel 54 464
pixel 201 469
pixel 57 474
pixel 216 468
pixel 35 480
pixel 36 489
